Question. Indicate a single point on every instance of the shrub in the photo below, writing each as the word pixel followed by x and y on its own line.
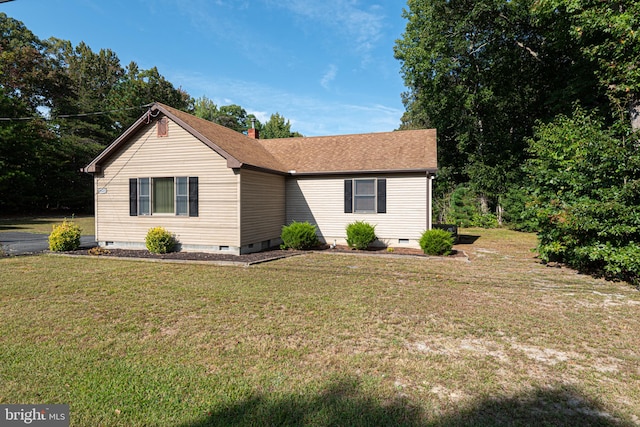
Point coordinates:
pixel 487 220
pixel 65 237
pixel 464 205
pixel 360 235
pixel 436 242
pixel 299 235
pixel 159 241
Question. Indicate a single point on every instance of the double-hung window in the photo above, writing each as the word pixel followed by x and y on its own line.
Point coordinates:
pixel 163 195
pixel 367 195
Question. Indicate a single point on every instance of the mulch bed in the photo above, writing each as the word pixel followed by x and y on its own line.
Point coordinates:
pixel 254 258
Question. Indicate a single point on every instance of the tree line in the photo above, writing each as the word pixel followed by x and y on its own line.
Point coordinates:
pixel 60 105
pixel 537 107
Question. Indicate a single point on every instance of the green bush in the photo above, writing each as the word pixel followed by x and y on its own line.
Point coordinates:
pixel 65 237
pixel 299 235
pixel 436 242
pixel 360 235
pixel 464 205
pixel 487 220
pixel 159 241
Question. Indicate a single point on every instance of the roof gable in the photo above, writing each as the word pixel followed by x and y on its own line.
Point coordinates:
pixel 399 151
pixel 237 149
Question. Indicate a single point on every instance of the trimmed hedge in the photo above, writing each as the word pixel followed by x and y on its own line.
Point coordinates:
pixel 436 242
pixel 360 235
pixel 65 237
pixel 159 241
pixel 299 235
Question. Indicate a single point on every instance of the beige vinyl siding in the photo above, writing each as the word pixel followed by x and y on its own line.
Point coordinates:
pixel 262 206
pixel 320 200
pixel 179 154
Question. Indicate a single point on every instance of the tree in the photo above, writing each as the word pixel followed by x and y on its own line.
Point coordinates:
pixel 61 105
pixel 138 88
pixel 607 35
pixel 25 70
pixel 234 117
pixel 86 79
pixel 205 108
pixel 21 142
pixel 585 195
pixel 277 127
pixel 482 72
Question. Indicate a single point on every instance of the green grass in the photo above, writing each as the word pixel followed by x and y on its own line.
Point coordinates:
pixel 322 339
pixel 44 225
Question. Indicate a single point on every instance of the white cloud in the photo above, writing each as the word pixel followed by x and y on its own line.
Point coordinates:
pixel 329 76
pixel 359 25
pixel 311 116
pixel 262 116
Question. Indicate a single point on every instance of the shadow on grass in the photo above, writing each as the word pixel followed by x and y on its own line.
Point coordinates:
pixel 17 224
pixel 466 239
pixel 343 404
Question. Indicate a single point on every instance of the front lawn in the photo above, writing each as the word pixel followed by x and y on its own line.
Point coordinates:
pixel 322 339
pixel 44 225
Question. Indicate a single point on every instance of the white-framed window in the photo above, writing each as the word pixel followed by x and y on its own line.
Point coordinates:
pixel 365 195
pixel 163 196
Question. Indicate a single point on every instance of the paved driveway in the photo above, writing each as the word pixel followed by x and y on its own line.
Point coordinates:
pixel 17 243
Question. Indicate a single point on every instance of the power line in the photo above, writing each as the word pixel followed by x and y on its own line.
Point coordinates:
pixel 71 116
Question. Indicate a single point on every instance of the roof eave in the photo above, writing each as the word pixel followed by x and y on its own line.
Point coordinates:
pixel 95 165
pixel 248 166
pixel 429 171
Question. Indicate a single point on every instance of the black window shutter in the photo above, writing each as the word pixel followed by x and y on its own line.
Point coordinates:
pixel 382 195
pixel 133 197
pixel 348 196
pixel 193 196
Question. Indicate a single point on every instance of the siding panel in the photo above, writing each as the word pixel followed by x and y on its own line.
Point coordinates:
pixel 179 154
pixel 262 206
pixel 320 200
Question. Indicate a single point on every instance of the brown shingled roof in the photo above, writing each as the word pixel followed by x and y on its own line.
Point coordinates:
pixel 413 150
pixel 245 150
pixel 370 152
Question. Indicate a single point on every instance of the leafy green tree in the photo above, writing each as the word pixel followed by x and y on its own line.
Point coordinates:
pixel 138 88
pixel 585 188
pixel 231 116
pixel 482 72
pixel 607 35
pixel 75 89
pixel 25 70
pixel 205 108
pixel 234 117
pixel 277 127
pixel 21 141
pixel 88 79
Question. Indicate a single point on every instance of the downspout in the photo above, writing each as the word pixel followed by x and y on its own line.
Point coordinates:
pixel 429 200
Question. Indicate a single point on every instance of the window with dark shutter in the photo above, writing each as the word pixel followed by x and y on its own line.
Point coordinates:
pixel 133 197
pixel 164 195
pixel 382 195
pixel 193 196
pixel 348 196
pixel 163 127
pixel 365 195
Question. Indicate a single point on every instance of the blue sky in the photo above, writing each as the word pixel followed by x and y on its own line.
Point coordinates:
pixel 326 65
